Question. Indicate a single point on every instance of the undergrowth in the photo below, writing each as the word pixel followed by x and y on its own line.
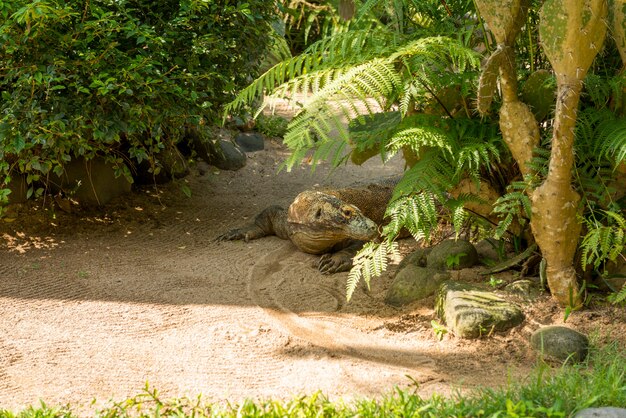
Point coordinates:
pixel 600 381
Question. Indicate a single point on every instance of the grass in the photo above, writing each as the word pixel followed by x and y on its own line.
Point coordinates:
pixel 600 381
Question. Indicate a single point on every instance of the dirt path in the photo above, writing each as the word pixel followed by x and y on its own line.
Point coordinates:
pixel 96 305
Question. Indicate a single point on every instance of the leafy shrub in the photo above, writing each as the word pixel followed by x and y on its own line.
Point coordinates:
pixel 272 126
pixel 122 79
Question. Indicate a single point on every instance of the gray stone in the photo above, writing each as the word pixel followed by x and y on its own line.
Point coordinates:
pixel 416 258
pixel 603 412
pixel 470 312
pixel 487 249
pixel 452 255
pixel 90 182
pixel 414 283
pixel 250 141
pixel 560 343
pixel 230 157
pixel 220 153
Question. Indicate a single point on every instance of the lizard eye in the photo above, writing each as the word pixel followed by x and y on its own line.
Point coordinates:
pixel 347 212
pixel 318 213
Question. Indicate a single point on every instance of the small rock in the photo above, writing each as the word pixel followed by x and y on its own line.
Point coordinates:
pixel 603 412
pixel 452 255
pixel 250 141
pixel 470 312
pixel 560 343
pixel 414 283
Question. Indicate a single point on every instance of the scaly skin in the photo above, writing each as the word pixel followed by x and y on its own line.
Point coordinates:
pixel 334 222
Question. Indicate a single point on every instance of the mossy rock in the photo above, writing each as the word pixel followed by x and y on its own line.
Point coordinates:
pixel 414 283
pixel 471 312
pixel 452 255
pixel 417 257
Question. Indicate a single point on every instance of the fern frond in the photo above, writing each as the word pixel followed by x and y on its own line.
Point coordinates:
pixel 514 204
pixel 320 115
pixel 369 262
pixel 618 297
pixel 612 140
pixel 603 242
pixel 418 137
pixel 432 174
pixel 476 154
pixel 417 213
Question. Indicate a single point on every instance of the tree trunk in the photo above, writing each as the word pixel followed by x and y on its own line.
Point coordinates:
pixel 555 204
pixel 572 32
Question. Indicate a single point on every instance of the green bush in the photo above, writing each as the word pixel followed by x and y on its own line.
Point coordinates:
pixel 272 125
pixel 122 79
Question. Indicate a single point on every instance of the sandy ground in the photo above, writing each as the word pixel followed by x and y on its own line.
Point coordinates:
pixel 95 304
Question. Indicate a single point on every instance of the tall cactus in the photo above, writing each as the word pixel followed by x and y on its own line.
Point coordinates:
pixel 572 32
pixel 618 24
pixel 517 123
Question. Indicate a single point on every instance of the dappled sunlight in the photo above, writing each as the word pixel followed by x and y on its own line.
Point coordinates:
pixel 20 242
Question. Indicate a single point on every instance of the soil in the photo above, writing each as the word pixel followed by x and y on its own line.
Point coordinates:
pixel 94 304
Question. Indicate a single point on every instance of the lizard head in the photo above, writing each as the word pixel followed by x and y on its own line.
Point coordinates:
pixel 319 221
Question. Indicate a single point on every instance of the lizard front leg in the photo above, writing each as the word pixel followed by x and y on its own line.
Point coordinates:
pixel 271 221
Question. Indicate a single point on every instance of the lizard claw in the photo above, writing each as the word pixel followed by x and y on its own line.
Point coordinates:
pixel 333 263
pixel 233 235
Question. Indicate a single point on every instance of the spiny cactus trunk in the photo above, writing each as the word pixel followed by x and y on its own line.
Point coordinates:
pixel 618 28
pixel 555 204
pixel 517 123
pixel 572 32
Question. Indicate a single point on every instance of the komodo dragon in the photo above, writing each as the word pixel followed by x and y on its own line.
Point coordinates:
pixel 332 222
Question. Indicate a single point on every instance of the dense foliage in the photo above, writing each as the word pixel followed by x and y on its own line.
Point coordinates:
pixel 121 79
pixel 418 60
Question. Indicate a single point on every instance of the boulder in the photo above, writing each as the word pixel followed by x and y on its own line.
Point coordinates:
pixel 250 141
pixel 414 283
pixel 471 312
pixel 560 343
pixel 452 255
pixel 90 182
